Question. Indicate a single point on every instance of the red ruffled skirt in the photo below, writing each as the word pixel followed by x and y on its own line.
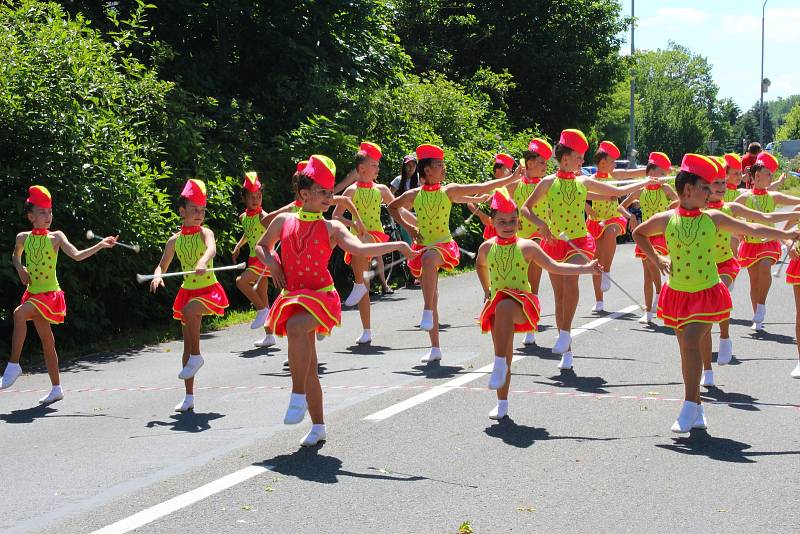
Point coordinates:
pixel 729 267
pixel 50 304
pixel 793 272
pixel 324 306
pixel 528 301
pixel 378 237
pixel 213 297
pixel 659 243
pixel 256 266
pixel 596 228
pixel 679 308
pixel 449 252
pixel 561 250
pixel 749 253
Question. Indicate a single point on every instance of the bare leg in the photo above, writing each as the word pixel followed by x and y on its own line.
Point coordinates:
pixel 245 282
pixel 534 277
pixel 558 295
pixel 192 319
pixel 380 271
pixel 433 335
pixel 301 349
pixel 263 286
pixel 754 274
pixel 507 313
pixel 22 314
pixel 724 326
pixel 313 386
pixel 764 280
pixel 796 289
pixel 606 248
pixel 689 340
pixel 705 348
pixel 48 347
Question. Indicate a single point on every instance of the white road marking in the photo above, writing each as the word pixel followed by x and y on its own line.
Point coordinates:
pixel 158 511
pixel 478 373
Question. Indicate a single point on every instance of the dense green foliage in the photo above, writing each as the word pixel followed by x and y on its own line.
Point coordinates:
pixel 791 125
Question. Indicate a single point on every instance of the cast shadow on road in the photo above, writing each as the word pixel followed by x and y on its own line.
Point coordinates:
pixel 740 401
pixel 523 436
pixel 442 328
pixel 189 422
pixel 775 338
pixel 257 351
pixel 308 464
pixel 321 371
pixel 366 349
pixel 701 443
pixel 593 384
pixel 40 411
pixel 433 370
pixel 654 328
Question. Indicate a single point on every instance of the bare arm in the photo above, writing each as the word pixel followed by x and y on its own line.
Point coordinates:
pixel 208 255
pixel 349 243
pixel 485 219
pixel 630 199
pixel 657 224
pixel 783 199
pixel 624 174
pixel 671 194
pixel 600 188
pixel 80 255
pixel 459 192
pixel 482 268
pixel 163 265
pixel 774 186
pixel 349 180
pixel 16 258
pixel 740 210
pixel 266 246
pixel 735 226
pixel 534 253
pixel 398 209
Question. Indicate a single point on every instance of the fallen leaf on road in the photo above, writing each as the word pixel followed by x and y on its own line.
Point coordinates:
pixel 642 408
pixel 465 528
pixel 526 509
pixel 384 471
pixel 651 393
pixel 247 507
pixel 269 489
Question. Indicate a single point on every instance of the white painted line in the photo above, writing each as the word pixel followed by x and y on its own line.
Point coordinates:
pixel 478 373
pixel 158 511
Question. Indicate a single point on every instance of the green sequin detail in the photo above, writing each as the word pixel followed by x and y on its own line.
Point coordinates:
pixel 522 192
pixel 433 216
pixel 652 202
pixel 253 230
pixel 566 199
pixel 190 248
pixel 731 195
pixel 605 209
pixel 40 260
pixel 690 241
pixel 507 268
pixel 722 245
pixel 764 204
pixel 368 203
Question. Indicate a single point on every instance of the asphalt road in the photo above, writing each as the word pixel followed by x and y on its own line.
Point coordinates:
pixel 587 450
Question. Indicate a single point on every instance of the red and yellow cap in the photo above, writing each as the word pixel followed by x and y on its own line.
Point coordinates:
pixel 505 160
pixel 768 160
pixel 301 165
pixel 502 201
pixel 541 147
pixel 720 164
pixel 429 152
pixel 659 159
pixel 371 150
pixel 251 181
pixel 575 140
pixel 699 165
pixel 734 161
pixel 39 196
pixel 609 148
pixel 195 191
pixel 322 170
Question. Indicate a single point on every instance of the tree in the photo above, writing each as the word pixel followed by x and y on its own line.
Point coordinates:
pixel 791 125
pixel 749 124
pixel 563 56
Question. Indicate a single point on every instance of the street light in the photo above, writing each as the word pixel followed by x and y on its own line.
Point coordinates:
pixel 763 89
pixel 632 144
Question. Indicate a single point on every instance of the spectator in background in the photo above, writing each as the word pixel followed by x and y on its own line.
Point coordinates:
pixel 408 177
pixel 753 150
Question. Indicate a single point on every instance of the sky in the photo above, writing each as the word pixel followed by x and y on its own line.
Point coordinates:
pixel 728 33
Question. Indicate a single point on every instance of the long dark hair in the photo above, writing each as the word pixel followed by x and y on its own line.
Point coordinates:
pixel 413 179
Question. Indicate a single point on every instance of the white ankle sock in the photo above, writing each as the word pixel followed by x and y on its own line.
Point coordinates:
pixel 320 429
pixel 56 390
pixel 297 399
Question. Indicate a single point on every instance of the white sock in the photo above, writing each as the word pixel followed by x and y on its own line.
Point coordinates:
pixel 319 429
pixel 188 398
pixel 56 390
pixel 297 399
pixel 502 405
pixel 13 365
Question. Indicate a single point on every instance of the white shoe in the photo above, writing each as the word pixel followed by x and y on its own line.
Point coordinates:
pixel 598 306
pixel 499 371
pixel 647 318
pixel 757 326
pixel 725 353
pixel 686 417
pixel 192 366
pixel 433 355
pixel 760 313
pixel 700 422
pixel 10 375
pixel 708 378
pixel 796 372
pixel 426 322
pixel 267 341
pixel 261 318
pixel 566 361
pixel 364 338
pixel 605 282
pixel 296 411
pixel 358 292
pixel 562 343
pixel 55 395
pixel 529 339
pixel 314 436
pixel 499 411
pixel 187 405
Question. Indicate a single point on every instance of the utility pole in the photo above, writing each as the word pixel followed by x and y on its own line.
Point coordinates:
pixel 761 107
pixel 632 144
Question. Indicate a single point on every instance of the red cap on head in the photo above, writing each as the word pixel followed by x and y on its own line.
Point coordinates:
pixel 720 164
pixel 429 152
pixel 541 147
pixel 575 140
pixel 195 191
pixel 659 159
pixel 39 196
pixel 768 160
pixel 251 181
pixel 322 170
pixel 734 161
pixel 301 165
pixel 699 165
pixel 502 201
pixel 505 160
pixel 610 148
pixel 370 149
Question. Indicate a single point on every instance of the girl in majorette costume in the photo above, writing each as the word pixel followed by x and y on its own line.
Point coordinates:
pixel 793 279
pixel 367 196
pixel 727 264
pixel 755 254
pixel 309 302
pixel 254 222
pixel 607 218
pixel 43 301
pixel 200 293
pixel 431 204
pixel 654 198
pixel 694 297
pixel 566 195
pixel 509 305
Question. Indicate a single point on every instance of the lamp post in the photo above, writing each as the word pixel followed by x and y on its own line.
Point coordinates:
pixel 761 106
pixel 632 144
